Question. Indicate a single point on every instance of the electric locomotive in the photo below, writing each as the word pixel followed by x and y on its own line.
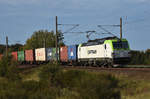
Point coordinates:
pixel 108 51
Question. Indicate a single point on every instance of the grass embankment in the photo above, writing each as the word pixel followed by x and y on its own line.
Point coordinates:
pixel 52 82
pixel 134 85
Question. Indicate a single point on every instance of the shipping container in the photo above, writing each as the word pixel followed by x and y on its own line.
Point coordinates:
pixel 72 53
pixel 1 56
pixel 14 56
pixel 21 56
pixel 51 54
pixel 40 54
pixel 29 55
pixel 64 54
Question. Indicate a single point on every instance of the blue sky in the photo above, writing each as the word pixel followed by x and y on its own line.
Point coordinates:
pixel 20 18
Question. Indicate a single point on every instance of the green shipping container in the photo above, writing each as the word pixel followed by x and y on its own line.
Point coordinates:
pixel 21 56
pixel 54 53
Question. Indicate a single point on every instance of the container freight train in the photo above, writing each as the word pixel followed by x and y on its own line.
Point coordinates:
pixel 100 52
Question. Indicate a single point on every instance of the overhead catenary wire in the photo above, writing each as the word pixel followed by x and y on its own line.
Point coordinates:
pixel 90 31
pixel 108 32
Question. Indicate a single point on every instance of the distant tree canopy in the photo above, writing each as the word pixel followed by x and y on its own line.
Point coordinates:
pixel 140 57
pixel 2 48
pixel 43 38
pixel 15 47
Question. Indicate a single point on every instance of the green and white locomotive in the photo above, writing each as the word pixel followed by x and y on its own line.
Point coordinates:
pixel 108 51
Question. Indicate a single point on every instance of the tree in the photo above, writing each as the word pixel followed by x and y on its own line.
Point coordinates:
pixel 43 38
pixel 15 47
pixel 2 48
pixel 60 38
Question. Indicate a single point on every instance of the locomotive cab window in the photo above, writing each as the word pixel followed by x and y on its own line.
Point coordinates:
pixel 120 45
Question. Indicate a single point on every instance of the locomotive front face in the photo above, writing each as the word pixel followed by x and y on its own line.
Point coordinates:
pixel 121 52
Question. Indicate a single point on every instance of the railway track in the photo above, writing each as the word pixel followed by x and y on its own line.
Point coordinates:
pixel 130 69
pixel 27 66
pixel 98 69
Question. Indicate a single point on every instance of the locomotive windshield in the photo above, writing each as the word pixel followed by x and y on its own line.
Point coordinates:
pixel 120 45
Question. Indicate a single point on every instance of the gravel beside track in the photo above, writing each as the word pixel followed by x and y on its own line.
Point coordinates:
pixel 132 72
pixel 109 69
pixel 26 66
pixel 98 69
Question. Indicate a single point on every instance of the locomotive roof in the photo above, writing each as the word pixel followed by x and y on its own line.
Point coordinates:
pixel 103 39
pixel 98 41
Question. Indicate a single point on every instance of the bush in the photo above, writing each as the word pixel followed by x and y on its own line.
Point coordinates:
pixel 89 85
pixel 80 84
pixel 4 63
pixel 8 68
pixel 25 90
pixel 58 84
pixel 49 72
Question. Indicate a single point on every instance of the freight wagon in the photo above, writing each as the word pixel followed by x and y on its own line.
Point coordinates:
pixel 51 54
pixel 30 56
pixel 100 52
pixel 64 54
pixel 1 55
pixel 21 56
pixel 14 56
pixel 40 55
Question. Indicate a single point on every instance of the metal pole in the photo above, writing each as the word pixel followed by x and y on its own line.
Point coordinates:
pixel 120 28
pixel 56 38
pixel 6 45
pixel 44 41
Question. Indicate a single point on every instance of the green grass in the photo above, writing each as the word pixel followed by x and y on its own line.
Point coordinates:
pixel 134 85
pixel 32 74
pixel 81 84
pixel 51 82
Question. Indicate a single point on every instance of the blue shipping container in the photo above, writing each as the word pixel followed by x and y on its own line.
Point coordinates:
pixel 51 54
pixel 72 52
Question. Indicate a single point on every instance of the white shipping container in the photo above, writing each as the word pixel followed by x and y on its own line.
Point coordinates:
pixel 40 54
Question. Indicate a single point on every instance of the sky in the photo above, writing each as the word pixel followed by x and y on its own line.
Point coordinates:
pixel 20 18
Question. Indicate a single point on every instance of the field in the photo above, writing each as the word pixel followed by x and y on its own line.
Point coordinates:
pixel 52 81
pixel 133 84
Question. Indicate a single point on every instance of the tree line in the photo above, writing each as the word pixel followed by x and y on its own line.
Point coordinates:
pixel 44 38
pixel 39 39
pixel 140 57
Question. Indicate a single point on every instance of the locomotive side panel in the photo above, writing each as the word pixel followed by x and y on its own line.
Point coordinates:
pixel 95 51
